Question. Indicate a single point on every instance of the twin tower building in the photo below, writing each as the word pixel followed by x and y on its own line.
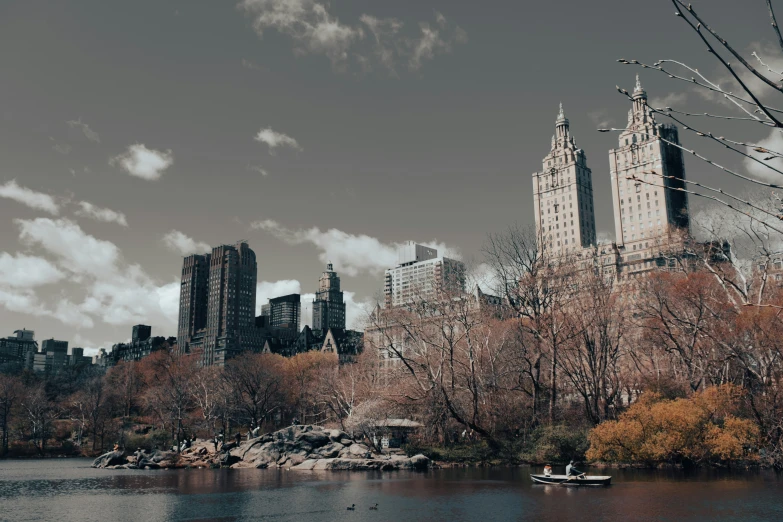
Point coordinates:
pixel 647 177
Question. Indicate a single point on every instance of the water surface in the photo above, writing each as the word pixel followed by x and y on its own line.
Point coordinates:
pixel 69 490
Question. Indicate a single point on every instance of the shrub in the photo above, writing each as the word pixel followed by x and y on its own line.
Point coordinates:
pixel 703 428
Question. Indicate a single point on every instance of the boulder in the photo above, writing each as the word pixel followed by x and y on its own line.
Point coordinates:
pixel 112 458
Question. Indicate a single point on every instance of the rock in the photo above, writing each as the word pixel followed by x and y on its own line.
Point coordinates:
pixel 359 450
pixel 315 438
pixel 419 462
pixel 112 458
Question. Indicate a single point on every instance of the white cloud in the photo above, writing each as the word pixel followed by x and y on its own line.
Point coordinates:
pixel 25 301
pixel 314 30
pixel 31 198
pixel 85 129
pixel 76 251
pixel 673 99
pixel 184 244
pixel 276 139
pixel 355 310
pixel 62 148
pixel 772 142
pixel 350 253
pixel 106 215
pixel 259 169
pixel 114 291
pixel 22 271
pixel 142 162
pixel 307 22
pixel 266 290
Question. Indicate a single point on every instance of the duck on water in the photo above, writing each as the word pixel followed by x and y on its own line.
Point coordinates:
pixel 573 477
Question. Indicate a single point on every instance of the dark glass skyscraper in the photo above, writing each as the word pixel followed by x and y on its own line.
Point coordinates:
pixel 217 303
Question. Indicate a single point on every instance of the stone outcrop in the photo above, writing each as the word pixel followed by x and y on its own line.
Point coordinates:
pixel 315 448
pixel 296 447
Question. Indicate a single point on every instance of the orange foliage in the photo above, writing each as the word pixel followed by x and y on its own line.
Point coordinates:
pixel 704 427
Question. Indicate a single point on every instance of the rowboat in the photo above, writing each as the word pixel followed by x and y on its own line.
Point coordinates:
pixel 584 480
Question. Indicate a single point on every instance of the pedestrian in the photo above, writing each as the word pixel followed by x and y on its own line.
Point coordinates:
pixel 238 438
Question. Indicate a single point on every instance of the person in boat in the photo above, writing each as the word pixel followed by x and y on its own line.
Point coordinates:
pixel 548 470
pixel 571 471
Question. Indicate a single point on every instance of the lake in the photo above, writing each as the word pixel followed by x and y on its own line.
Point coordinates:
pixel 69 490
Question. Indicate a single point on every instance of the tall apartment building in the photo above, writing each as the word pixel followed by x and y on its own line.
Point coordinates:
pixel 563 195
pixel 328 306
pixel 285 311
pixel 217 303
pixel 644 169
pixel 420 273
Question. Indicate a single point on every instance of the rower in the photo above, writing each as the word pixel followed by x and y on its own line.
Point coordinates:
pixel 571 471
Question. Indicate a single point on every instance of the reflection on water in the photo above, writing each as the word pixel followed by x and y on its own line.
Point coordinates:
pixel 69 490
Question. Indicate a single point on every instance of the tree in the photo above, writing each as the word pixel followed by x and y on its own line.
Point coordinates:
pixel 10 393
pixel 37 417
pixel 256 383
pixel 168 376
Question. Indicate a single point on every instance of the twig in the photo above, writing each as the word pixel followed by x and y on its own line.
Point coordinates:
pixel 711 87
pixel 770 69
pixel 706 196
pixel 775 23
pixel 728 47
pixel 709 161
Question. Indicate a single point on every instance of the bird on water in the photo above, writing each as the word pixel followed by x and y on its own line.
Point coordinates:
pixel 375 507
pixel 352 507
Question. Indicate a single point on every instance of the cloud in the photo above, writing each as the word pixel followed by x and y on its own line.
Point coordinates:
pixel 276 139
pixel 26 196
pixel 314 30
pixel 259 169
pixel 185 245
pixel 355 309
pixel 266 290
pixel 307 22
pixel 61 148
pixel 350 253
pixel 85 129
pixel 673 99
pixel 772 142
pixel 142 162
pixel 247 64
pixel 26 302
pixel 22 271
pixel 106 215
pixel 431 41
pixel 601 118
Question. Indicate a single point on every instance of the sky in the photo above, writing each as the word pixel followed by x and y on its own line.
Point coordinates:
pixel 135 133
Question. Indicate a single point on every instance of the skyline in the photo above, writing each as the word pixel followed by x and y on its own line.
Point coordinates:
pixel 203 131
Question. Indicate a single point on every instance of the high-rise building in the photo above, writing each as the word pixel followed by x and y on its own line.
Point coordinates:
pixel 328 306
pixel 420 273
pixel 285 312
pixel 563 196
pixel 141 332
pixel 217 303
pixel 646 171
pixel 193 300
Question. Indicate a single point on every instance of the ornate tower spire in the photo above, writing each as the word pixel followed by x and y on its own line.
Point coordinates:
pixel 638 91
pixel 561 125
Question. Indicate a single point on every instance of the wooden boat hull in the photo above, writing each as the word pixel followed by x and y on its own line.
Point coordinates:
pixel 587 480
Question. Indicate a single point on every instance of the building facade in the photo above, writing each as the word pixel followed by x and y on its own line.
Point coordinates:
pixel 563 195
pixel 217 303
pixel 647 177
pixel 420 274
pixel 328 305
pixel 285 312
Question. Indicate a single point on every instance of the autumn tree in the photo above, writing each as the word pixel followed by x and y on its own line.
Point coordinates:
pixel 256 382
pixel 10 394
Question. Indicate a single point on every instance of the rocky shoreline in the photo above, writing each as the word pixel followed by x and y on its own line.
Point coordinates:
pixel 301 447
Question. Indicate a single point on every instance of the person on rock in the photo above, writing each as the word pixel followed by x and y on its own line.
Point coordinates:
pixel 238 438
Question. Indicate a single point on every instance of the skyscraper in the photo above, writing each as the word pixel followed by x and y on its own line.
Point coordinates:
pixel 646 169
pixel 328 306
pixel 285 311
pixel 563 196
pixel 420 273
pixel 217 303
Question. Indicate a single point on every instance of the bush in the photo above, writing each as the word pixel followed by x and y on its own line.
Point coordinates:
pixel 703 428
pixel 555 444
